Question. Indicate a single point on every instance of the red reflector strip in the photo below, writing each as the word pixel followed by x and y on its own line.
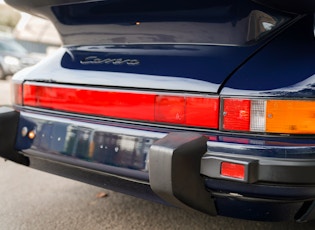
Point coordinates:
pixel 236 114
pixel 142 106
pixel 233 170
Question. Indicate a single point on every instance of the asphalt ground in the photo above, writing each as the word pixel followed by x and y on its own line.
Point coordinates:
pixel 34 200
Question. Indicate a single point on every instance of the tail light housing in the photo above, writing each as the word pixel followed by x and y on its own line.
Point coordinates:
pixel 156 107
pixel 285 116
pixel 255 115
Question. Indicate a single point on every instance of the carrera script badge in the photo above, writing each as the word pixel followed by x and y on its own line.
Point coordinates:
pixel 114 61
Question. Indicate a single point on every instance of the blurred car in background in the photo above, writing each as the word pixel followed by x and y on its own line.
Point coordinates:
pixel 13 57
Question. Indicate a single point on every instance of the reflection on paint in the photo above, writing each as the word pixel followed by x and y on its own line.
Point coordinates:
pixel 95 146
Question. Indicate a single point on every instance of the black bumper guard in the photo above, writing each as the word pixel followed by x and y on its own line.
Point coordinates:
pixel 9 119
pixel 174 171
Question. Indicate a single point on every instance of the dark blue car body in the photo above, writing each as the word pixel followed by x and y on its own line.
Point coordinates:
pixel 217 50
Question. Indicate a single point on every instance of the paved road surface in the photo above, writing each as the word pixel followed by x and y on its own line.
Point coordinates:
pixel 33 200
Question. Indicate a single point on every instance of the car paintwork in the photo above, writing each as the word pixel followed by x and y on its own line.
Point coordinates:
pixel 164 22
pixel 288 72
pixel 113 153
pixel 208 64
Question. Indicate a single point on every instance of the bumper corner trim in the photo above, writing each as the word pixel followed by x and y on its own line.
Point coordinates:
pixel 174 171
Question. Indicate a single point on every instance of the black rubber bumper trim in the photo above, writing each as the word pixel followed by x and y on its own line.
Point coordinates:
pixel 174 171
pixel 9 119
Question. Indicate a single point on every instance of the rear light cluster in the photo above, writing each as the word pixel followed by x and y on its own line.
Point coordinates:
pixel 269 115
pixel 186 110
pixel 230 114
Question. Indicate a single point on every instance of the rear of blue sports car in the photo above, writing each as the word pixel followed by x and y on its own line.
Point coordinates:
pixel 203 105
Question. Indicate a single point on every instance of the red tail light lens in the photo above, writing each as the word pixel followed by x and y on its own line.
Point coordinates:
pixel 185 110
pixel 202 112
pixel 236 114
pixel 192 111
pixel 170 109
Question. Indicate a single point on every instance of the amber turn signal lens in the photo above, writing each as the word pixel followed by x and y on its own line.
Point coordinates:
pixel 290 116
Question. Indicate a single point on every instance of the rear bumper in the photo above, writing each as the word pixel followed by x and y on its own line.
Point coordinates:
pixel 278 182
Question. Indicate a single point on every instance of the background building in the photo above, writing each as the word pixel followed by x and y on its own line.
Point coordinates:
pixel 37 35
